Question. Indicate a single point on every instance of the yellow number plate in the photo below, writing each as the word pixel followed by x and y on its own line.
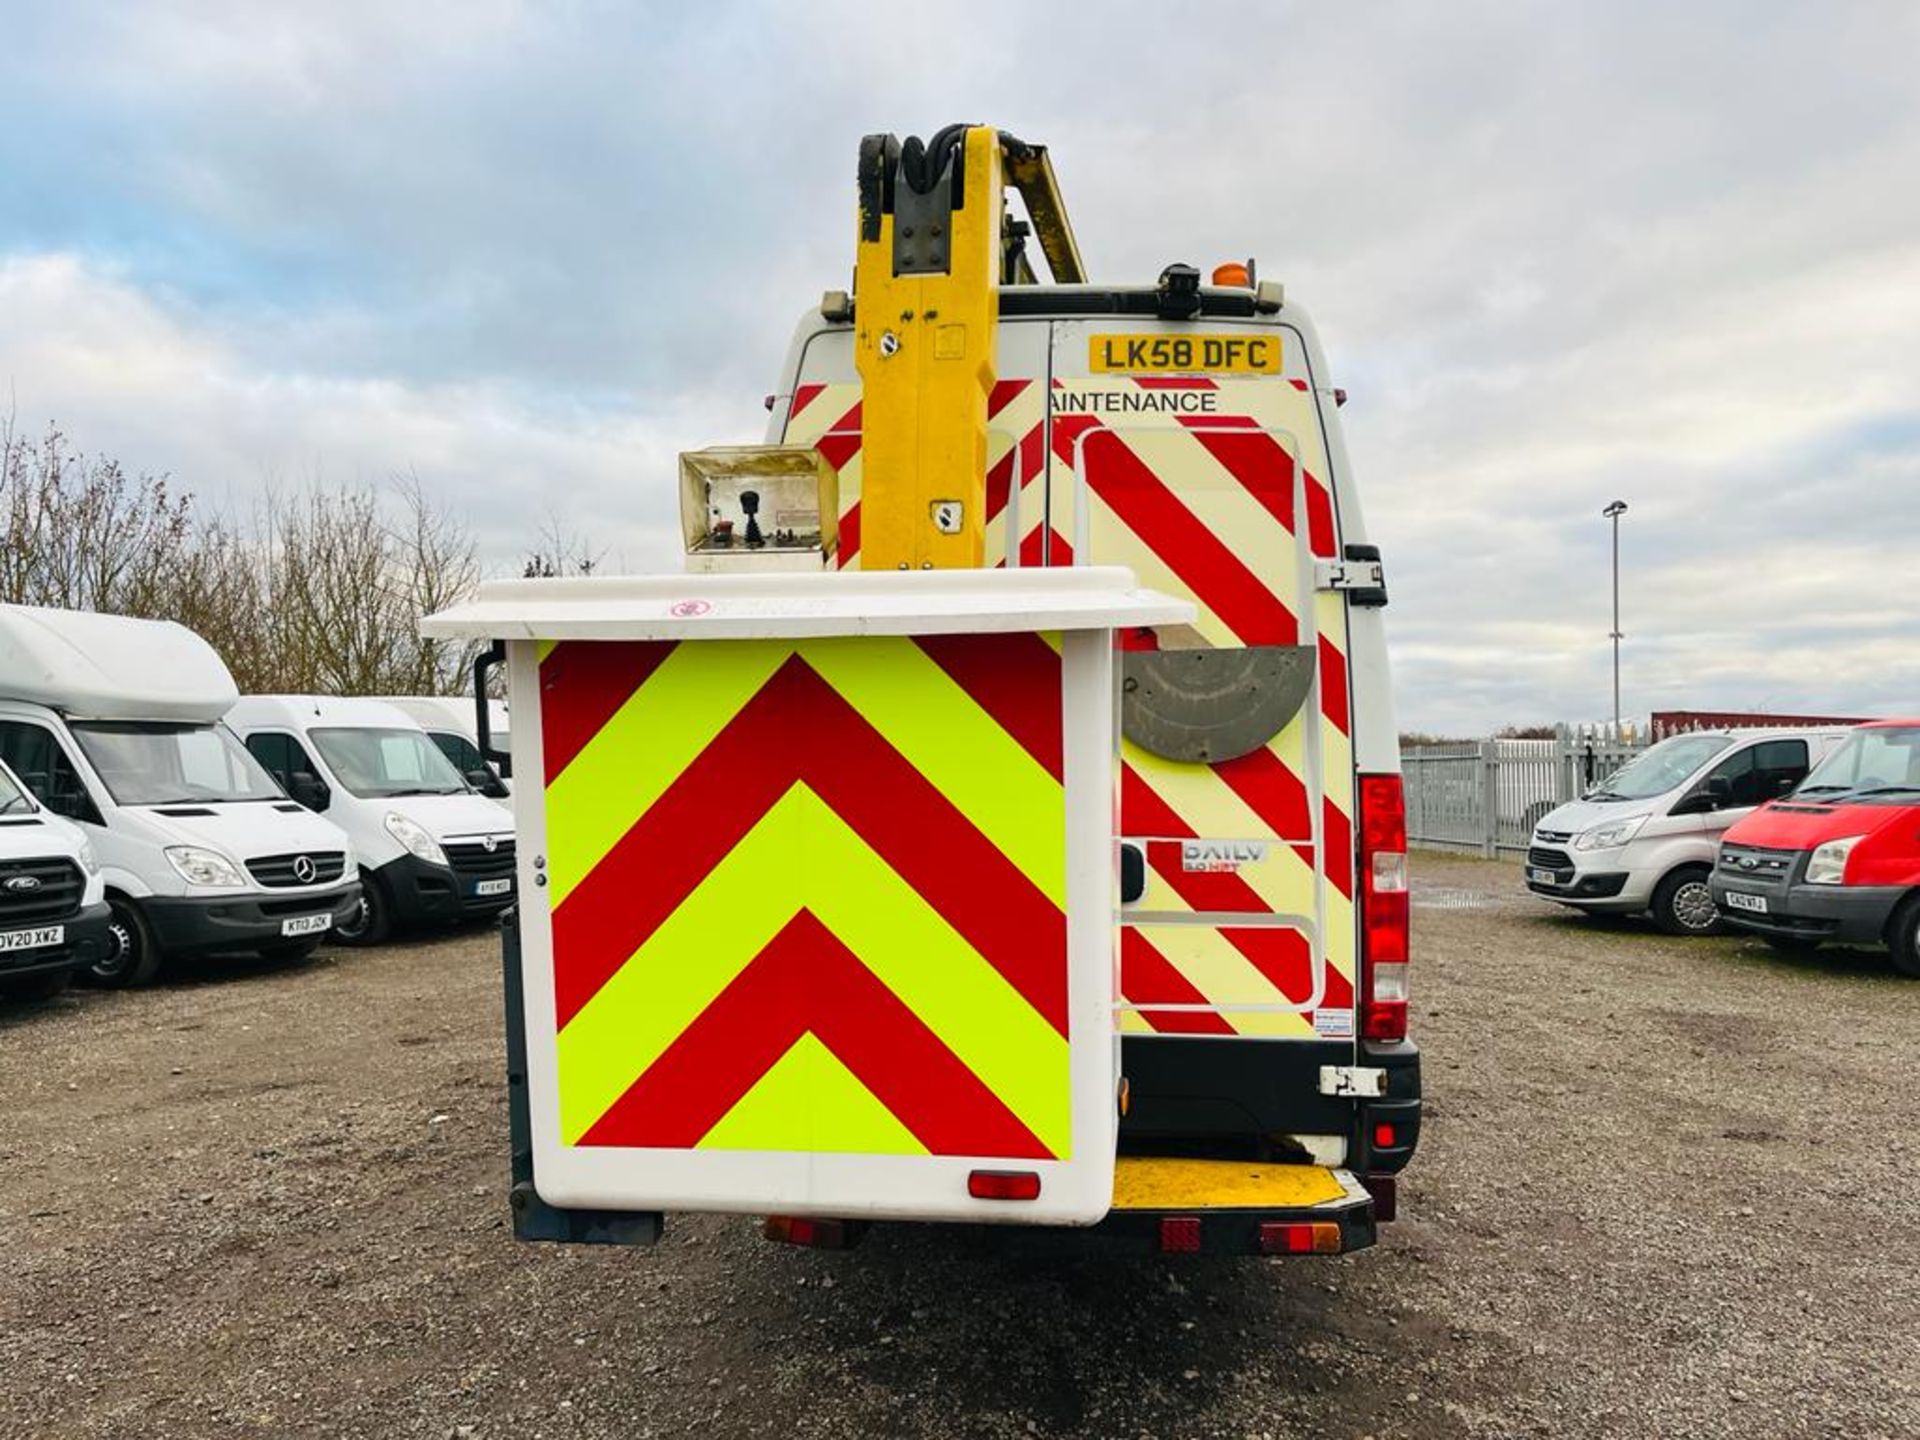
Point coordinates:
pixel 1185 354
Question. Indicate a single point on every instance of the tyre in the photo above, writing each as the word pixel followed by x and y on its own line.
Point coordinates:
pixel 1792 944
pixel 131 957
pixel 1683 905
pixel 43 986
pixel 1903 940
pixel 370 921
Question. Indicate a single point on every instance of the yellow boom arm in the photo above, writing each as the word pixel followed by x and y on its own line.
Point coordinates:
pixel 933 248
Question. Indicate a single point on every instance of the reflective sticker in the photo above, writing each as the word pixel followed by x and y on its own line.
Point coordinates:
pixel 1333 1024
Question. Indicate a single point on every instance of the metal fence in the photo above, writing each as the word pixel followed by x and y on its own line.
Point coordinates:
pixel 1486 796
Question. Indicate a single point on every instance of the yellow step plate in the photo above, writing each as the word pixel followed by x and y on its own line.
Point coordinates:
pixel 1161 1183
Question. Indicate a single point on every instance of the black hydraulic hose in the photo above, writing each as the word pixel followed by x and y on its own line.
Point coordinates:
pixel 922 162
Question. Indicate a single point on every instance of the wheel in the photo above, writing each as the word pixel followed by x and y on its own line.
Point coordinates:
pixel 1903 939
pixel 43 986
pixel 1683 905
pixel 1792 944
pixel 131 958
pixel 370 920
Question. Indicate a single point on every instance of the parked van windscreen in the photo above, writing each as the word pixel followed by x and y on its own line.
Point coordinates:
pixel 1875 766
pixel 158 764
pixel 376 764
pixel 1661 768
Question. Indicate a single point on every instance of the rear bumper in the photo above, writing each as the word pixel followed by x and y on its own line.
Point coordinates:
pixel 1191 1094
pixel 423 894
pixel 1214 1207
pixel 1842 914
pixel 84 942
pixel 213 925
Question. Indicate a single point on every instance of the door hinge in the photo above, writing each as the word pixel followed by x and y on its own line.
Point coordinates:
pixel 1358 572
pixel 1363 1081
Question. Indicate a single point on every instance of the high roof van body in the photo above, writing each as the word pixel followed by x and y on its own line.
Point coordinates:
pixel 114 723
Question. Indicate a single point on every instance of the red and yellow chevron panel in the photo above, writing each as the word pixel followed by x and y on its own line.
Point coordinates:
pixel 1202 505
pixel 809 895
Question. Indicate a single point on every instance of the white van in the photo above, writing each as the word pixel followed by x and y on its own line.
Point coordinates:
pixel 53 910
pixel 450 723
pixel 114 723
pixel 1646 837
pixel 431 848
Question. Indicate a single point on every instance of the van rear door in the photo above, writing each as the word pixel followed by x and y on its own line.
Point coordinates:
pixel 1205 471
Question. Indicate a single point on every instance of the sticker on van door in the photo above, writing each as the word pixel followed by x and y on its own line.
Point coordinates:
pixel 1184 354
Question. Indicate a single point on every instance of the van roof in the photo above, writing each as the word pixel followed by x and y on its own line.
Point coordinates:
pixel 306 712
pixel 451 712
pixel 110 667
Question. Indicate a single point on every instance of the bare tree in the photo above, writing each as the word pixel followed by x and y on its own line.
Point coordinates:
pixel 560 551
pixel 79 532
pixel 321 591
pixel 441 566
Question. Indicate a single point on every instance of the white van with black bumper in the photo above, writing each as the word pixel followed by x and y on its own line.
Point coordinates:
pixel 433 850
pixel 53 911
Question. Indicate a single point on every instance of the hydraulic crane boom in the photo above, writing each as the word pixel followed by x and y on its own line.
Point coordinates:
pixel 934 246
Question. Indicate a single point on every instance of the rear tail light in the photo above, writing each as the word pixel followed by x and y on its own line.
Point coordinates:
pixel 1383 908
pixel 1003 1185
pixel 1318 1238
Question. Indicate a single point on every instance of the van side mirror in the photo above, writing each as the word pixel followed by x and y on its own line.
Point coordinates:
pixel 1699 802
pixel 487 783
pixel 309 790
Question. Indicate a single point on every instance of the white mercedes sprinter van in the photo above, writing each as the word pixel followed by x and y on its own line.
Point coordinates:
pixel 431 848
pixel 114 723
pixel 53 910
pixel 1646 837
pixel 449 723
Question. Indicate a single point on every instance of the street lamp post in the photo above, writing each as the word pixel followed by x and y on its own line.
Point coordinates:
pixel 1613 512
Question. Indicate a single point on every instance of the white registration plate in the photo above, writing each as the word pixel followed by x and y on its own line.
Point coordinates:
pixel 1738 901
pixel 1543 877
pixel 33 939
pixel 493 887
pixel 306 924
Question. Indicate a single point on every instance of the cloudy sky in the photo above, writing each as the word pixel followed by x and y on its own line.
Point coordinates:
pixel 1558 253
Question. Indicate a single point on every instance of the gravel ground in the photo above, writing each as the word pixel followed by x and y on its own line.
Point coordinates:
pixel 1666 1188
